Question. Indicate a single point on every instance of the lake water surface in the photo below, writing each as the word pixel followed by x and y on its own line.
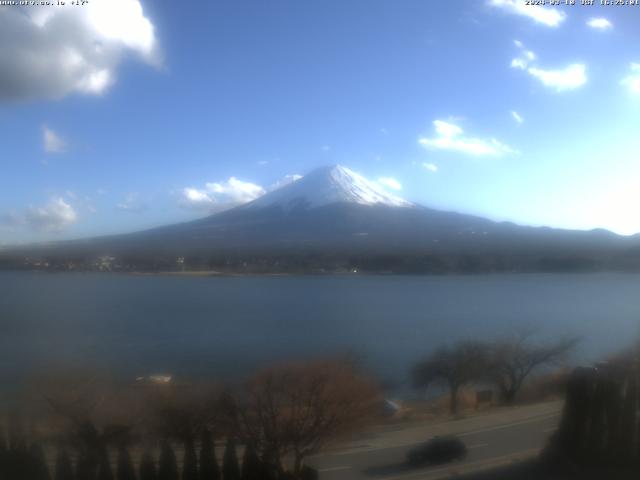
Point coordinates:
pixel 225 326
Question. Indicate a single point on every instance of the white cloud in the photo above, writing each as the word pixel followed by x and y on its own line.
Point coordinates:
pixel 632 81
pixel 599 23
pixel 524 58
pixel 390 182
pixel 450 137
pixel 132 203
pixel 432 167
pixel 67 49
pixel 286 180
pixel 55 216
pixel 220 195
pixel 325 148
pixel 53 143
pixel 517 117
pixel 262 163
pixel 550 17
pixel 569 78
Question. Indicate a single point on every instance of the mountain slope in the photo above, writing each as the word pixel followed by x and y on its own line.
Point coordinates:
pixel 334 217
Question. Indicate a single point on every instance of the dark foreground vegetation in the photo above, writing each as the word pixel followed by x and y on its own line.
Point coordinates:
pixel 85 428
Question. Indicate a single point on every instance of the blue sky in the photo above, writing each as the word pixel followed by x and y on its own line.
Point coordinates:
pixel 120 115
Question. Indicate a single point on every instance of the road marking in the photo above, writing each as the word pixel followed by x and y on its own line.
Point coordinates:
pixel 509 425
pixel 356 451
pixel 465 468
pixel 334 469
pixel 479 445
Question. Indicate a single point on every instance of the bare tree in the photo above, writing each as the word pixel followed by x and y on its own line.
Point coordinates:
pixel 511 361
pixel 294 410
pixel 453 367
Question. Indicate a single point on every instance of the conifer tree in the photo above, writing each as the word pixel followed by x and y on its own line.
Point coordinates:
pixel 148 467
pixel 38 463
pixel 251 464
pixel 105 471
pixel 230 467
pixel 209 469
pixel 125 465
pixel 86 466
pixel 167 468
pixel 63 468
pixel 190 461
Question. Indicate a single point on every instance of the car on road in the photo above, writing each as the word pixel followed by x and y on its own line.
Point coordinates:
pixel 436 451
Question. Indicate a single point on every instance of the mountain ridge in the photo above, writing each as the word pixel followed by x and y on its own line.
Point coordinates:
pixel 334 219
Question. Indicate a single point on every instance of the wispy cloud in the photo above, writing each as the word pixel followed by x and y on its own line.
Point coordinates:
pixel 432 167
pixel 632 81
pixel 451 137
pixel 52 142
pixel 599 23
pixel 550 17
pixel 390 182
pixel 524 58
pixel 220 195
pixel 517 117
pixel 133 203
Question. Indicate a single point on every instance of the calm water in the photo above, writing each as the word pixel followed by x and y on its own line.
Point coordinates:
pixel 226 326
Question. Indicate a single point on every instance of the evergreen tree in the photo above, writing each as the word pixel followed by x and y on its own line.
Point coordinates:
pixel 63 468
pixel 230 468
pixel 3 442
pixel 86 466
pixel 125 465
pixel 38 464
pixel 209 469
pixel 309 473
pixel 251 464
pixel 148 467
pixel 167 468
pixel 190 462
pixel 105 471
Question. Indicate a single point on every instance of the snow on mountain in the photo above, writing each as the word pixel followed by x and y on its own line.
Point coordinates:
pixel 327 185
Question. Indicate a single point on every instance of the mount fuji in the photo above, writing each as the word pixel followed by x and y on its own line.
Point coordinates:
pixel 334 219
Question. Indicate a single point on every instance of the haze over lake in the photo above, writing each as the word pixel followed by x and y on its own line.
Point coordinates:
pixel 225 326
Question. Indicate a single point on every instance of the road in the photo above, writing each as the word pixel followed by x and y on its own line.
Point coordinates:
pixel 492 439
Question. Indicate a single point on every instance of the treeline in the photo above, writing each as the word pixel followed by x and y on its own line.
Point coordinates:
pixel 82 427
pixel 319 263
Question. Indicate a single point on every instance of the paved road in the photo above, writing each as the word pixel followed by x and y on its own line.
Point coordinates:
pixel 492 439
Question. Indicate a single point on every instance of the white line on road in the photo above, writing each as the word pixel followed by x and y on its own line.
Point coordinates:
pixel 539 418
pixel 479 445
pixel 334 469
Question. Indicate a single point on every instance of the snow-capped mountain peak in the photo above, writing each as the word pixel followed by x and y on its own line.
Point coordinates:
pixel 327 185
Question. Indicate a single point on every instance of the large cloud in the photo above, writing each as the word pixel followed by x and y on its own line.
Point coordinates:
pixel 54 51
pixel 53 217
pixel 220 195
pixel 451 137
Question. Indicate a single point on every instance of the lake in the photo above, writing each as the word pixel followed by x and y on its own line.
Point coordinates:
pixel 227 326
